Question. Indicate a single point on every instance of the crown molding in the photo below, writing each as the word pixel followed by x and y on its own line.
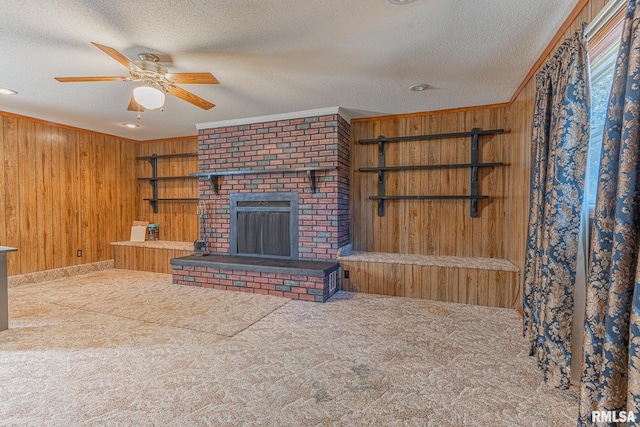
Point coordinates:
pixel 275 118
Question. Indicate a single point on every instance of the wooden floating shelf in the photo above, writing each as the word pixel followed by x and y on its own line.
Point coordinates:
pixel 154 178
pixel 428 197
pixel 311 174
pixel 159 178
pixel 423 167
pixel 167 156
pixel 474 165
pixel 162 199
pixel 474 131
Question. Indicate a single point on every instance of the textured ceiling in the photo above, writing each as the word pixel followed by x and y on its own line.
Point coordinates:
pixel 270 56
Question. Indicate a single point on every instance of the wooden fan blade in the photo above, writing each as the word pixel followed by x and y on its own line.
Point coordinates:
pixel 117 56
pixel 93 79
pixel 134 106
pixel 190 97
pixel 193 78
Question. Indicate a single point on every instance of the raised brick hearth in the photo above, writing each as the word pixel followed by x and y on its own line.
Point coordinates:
pixel 316 145
pixel 304 280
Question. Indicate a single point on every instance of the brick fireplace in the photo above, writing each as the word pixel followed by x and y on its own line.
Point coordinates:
pixel 273 164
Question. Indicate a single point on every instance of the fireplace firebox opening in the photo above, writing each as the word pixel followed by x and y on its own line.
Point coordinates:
pixel 264 224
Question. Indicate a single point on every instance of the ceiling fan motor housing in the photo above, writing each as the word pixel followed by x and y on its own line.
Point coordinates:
pixel 150 72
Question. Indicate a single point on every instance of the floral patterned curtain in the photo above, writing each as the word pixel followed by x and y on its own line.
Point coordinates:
pixel 611 362
pixel 558 164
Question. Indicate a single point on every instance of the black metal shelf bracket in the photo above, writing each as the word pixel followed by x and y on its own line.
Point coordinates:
pixel 214 183
pixel 311 176
pixel 381 186
pixel 474 165
pixel 153 160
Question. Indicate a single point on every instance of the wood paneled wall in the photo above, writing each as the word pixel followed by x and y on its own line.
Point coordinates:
pixel 145 259
pixel 62 190
pixel 178 220
pixel 475 286
pixel 431 227
pixel 520 118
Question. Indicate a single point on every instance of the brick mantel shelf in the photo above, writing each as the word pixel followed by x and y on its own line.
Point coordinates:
pixel 311 174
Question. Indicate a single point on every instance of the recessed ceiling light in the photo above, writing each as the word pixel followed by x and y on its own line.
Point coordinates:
pixel 6 91
pixel 401 2
pixel 130 125
pixel 419 88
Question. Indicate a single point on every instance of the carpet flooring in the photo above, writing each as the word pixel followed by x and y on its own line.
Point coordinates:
pixel 123 348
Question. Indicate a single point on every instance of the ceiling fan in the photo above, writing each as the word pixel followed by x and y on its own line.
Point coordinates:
pixel 155 80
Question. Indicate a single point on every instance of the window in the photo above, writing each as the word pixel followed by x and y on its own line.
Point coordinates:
pixel 603 42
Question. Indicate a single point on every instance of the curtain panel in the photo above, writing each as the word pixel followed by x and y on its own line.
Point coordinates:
pixel 611 361
pixel 558 163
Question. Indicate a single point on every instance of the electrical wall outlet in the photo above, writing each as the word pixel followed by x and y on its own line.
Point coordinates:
pixel 79 253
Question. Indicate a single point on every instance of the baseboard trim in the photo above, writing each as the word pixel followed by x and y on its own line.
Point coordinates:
pixel 57 273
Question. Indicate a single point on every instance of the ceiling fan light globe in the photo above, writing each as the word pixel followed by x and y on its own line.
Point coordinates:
pixel 148 97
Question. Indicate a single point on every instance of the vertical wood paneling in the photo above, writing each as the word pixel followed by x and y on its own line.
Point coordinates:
pixel 369 223
pixel 449 217
pixel 56 192
pixel 483 287
pixel 29 255
pixel 408 223
pixel 99 207
pixel 86 199
pixel 178 220
pixel 59 189
pixel 439 283
pixel 463 186
pixel 451 284
pixel 71 200
pixel 145 259
pixel 12 190
pixel 44 165
pixel 493 182
pixel 389 280
pixel 3 229
pixel 468 284
pixel 441 227
pixel 414 206
pixel 375 278
pixel 110 202
pixel 66 209
pixel 451 278
pixel 429 210
pixel 128 212
pixel 515 295
pixel 412 281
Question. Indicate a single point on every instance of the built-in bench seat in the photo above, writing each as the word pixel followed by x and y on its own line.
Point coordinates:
pixel 297 279
pixel 468 280
pixel 151 255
